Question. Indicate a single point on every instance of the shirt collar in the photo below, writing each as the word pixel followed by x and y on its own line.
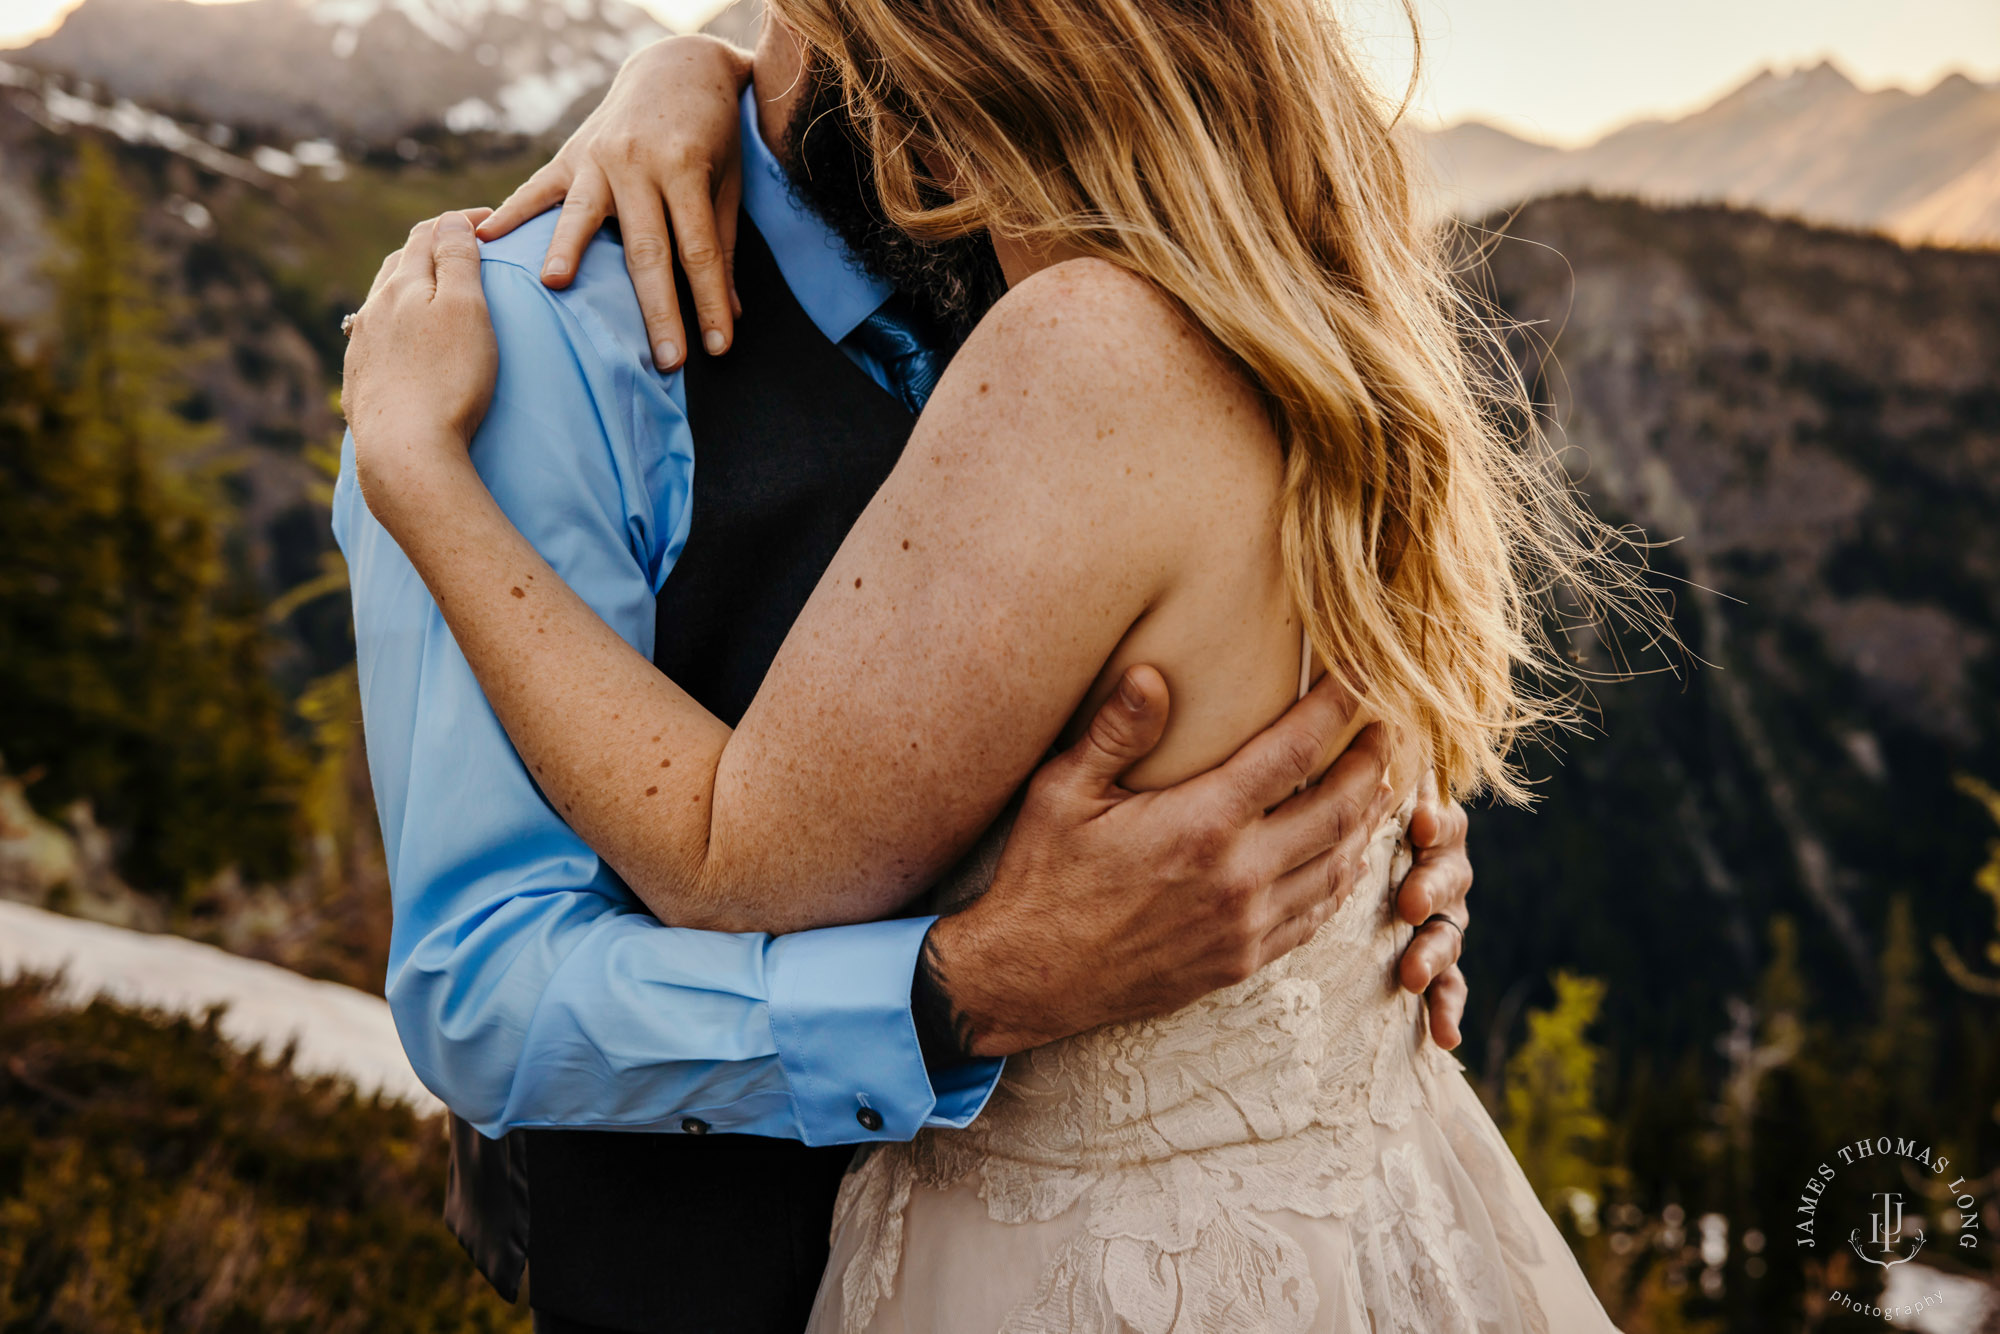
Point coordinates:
pixel 829 283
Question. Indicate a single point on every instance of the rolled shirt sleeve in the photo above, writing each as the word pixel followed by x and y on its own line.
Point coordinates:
pixel 529 986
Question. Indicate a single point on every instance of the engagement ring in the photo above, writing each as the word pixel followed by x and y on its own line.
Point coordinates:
pixel 347 326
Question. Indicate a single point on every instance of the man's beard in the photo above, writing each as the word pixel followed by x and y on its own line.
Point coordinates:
pixel 833 171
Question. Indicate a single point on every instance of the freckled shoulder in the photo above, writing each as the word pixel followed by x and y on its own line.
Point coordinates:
pixel 1089 319
pixel 1092 351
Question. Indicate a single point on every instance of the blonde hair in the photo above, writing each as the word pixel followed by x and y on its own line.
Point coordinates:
pixel 1231 152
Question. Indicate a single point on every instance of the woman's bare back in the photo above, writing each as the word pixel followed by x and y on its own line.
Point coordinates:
pixel 1226 634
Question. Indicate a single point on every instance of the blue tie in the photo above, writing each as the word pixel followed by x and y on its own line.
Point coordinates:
pixel 909 350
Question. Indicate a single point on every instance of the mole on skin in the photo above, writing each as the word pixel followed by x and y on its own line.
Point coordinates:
pixel 517 592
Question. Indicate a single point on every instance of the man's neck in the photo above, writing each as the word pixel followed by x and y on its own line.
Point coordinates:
pixel 1018 260
pixel 777 78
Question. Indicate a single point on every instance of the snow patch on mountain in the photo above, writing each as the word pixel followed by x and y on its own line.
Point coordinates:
pixel 47 101
pixel 534 102
pixel 371 71
pixel 458 24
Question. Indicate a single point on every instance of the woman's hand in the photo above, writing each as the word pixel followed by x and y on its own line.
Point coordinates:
pixel 667 131
pixel 420 366
pixel 1435 889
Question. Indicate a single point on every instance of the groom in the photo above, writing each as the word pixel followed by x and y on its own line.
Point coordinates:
pixel 533 992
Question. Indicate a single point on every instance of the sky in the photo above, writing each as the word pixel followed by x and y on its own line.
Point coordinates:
pixel 1565 71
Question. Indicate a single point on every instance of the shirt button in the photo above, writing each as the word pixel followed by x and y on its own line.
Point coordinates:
pixel 694 1125
pixel 869 1118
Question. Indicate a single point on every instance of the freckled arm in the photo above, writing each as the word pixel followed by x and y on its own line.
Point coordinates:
pixel 956 631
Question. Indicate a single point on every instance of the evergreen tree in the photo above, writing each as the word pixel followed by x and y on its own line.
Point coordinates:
pixel 132 673
pixel 1549 1103
pixel 1898 1049
pixel 1780 1108
pixel 1987 881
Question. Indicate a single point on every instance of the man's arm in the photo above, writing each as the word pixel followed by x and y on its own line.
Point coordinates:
pixel 1109 905
pixel 529 987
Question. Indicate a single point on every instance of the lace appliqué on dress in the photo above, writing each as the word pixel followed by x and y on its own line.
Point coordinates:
pixel 1425 1273
pixel 1176 1134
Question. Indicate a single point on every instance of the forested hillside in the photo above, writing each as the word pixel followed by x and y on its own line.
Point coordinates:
pixel 176 691
pixel 1770 859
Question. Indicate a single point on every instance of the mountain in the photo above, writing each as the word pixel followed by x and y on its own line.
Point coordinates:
pixel 1922 167
pixel 1770 854
pixel 372 70
pixel 348 75
pixel 1809 421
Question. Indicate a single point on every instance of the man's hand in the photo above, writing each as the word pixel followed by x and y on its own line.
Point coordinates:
pixel 663 144
pixel 1110 905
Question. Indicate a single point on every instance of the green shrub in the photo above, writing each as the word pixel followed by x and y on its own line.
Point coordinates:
pixel 153 1177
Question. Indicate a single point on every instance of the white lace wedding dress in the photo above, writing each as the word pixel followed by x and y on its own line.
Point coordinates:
pixel 1289 1154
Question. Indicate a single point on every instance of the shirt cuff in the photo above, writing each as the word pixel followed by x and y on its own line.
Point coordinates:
pixel 840 1015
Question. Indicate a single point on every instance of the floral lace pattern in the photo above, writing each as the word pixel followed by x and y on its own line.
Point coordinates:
pixel 1185 1140
pixel 1428 1274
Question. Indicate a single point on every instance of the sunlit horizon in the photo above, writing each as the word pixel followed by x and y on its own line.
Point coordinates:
pixel 1560 71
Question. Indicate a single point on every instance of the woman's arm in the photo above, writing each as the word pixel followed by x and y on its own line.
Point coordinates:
pixel 1045 503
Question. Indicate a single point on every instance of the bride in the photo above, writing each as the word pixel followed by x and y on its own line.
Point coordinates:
pixel 1230 418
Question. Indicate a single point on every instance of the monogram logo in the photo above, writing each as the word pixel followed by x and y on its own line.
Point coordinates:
pixel 1885 1233
pixel 1905 1189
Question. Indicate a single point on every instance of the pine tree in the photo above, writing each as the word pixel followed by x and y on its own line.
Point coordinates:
pixel 1898 1048
pixel 1551 1118
pixel 133 675
pixel 1987 881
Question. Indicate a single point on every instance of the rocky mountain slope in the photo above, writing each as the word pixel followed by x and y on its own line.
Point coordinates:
pixel 349 69
pixel 1811 419
pixel 359 73
pixel 1922 167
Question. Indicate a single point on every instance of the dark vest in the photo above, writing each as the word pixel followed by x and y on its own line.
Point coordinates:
pixel 685 1233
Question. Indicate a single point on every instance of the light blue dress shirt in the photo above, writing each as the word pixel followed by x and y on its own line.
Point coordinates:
pixel 529 986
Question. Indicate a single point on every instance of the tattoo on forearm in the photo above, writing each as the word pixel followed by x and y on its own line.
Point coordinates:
pixel 944 1032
